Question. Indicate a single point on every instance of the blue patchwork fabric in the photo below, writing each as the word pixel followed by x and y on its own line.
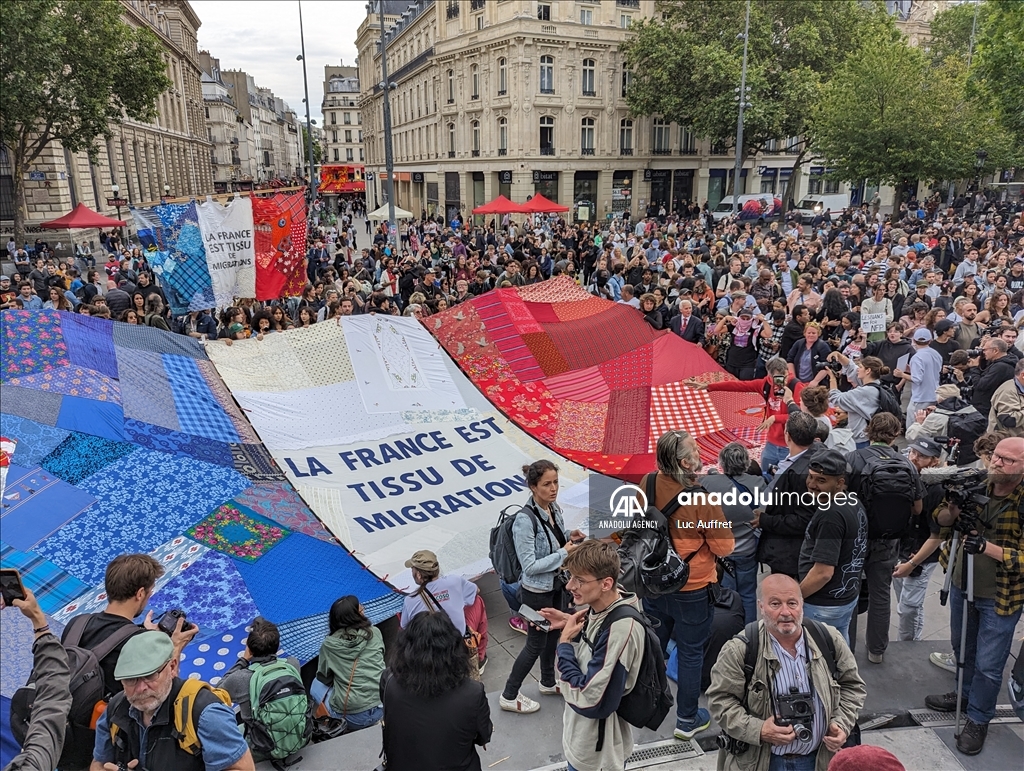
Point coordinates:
pixel 185 276
pixel 302 637
pixel 54 588
pixel 325 572
pixel 35 441
pixel 146 393
pixel 41 406
pixel 90 342
pixel 153 498
pixel 89 416
pixel 227 606
pixel 177 443
pixel 210 655
pixel 36 504
pixel 141 338
pixel 198 411
pixel 82 455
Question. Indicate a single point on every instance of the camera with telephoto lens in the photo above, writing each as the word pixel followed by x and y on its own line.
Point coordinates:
pixel 973 353
pixel 796 709
pixel 835 366
pixel 169 621
pixel 967 490
pixel 730 745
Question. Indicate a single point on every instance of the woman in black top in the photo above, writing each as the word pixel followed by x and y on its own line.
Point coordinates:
pixel 434 714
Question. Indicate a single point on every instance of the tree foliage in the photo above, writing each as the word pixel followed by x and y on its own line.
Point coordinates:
pixel 318 149
pixel 686 64
pixel 998 64
pixel 70 69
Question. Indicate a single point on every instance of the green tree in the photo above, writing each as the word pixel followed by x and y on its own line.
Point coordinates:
pixel 891 115
pixel 686 64
pixel 998 61
pixel 69 70
pixel 318 149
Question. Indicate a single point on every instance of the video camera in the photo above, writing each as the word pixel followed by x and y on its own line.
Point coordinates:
pixel 952 447
pixel 967 490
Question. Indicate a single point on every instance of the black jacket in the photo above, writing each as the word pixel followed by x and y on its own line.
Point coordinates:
pixel 440 733
pixel 694 328
pixel 992 376
pixel 783 526
pixel 792 332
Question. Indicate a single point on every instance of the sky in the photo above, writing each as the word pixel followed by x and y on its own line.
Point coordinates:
pixel 262 38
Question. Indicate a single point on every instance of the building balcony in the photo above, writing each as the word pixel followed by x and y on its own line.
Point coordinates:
pixel 549 91
pixel 451 153
pixel 626 151
pixel 687 150
pixel 628 3
pixel 547 151
pixel 476 5
pixel 476 153
pixel 586 151
pixel 452 11
pixel 502 151
pixel 661 151
pixel 589 93
pixel 503 92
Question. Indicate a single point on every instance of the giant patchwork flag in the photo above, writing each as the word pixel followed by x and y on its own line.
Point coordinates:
pixel 280 223
pixel 588 377
pixel 390 444
pixel 128 441
pixel 229 245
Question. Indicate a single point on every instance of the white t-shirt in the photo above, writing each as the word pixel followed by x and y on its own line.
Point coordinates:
pixel 453 594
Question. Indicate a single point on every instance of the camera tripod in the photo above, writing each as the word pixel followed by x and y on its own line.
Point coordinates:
pixel 954 555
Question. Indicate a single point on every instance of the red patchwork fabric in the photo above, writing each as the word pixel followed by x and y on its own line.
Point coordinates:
pixel 675 359
pixel 520 316
pixel 581 385
pixel 675 406
pixel 546 354
pixel 634 369
pixel 542 312
pixel 561 289
pixel 529 405
pixel 581 309
pixel 581 426
pixel 738 410
pixel 628 425
pixel 595 339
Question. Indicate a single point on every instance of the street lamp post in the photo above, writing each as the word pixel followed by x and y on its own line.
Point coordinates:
pixel 309 123
pixel 389 161
pixel 741 97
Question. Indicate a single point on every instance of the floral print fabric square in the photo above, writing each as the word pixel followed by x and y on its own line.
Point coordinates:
pixel 31 342
pixel 238 532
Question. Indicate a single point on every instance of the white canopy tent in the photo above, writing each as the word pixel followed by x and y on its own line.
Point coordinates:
pixel 382 213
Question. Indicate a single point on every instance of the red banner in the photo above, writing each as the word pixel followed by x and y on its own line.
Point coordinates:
pixel 280 224
pixel 341 179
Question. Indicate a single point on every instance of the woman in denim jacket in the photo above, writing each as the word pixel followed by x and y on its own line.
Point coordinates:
pixel 542 545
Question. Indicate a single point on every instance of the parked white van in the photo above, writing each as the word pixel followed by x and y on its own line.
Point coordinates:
pixel 762 207
pixel 815 204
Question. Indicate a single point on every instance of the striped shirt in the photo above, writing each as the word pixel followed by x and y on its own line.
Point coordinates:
pixel 794 672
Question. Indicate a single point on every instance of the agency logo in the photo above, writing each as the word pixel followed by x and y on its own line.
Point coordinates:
pixel 627 502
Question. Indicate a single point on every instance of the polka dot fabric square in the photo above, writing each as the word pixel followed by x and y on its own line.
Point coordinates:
pixel 674 406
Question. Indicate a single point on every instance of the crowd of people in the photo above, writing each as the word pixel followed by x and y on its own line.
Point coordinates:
pixel 887 356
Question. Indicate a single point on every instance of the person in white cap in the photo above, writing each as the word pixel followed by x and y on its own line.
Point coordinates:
pixel 925 366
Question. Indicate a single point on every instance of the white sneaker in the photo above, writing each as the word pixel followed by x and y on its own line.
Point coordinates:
pixel 521 704
pixel 875 658
pixel 550 690
pixel 943 661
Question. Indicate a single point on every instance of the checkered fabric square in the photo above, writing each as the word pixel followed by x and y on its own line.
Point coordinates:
pixel 197 409
pixel 674 406
pixel 53 587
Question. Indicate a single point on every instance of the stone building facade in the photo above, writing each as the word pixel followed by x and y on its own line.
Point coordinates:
pixel 144 160
pixel 343 121
pixel 519 97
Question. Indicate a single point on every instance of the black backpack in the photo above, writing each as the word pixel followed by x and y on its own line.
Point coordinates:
pixel 887 400
pixel 752 640
pixel 967 427
pixel 87 689
pixel 651 698
pixel 888 489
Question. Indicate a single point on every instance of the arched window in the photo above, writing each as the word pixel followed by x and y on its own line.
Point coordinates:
pixel 547 74
pixel 476 138
pixel 547 135
pixel 502 77
pixel 475 79
pixel 625 137
pixel 587 136
pixel 502 136
pixel 451 86
pixel 451 140
pixel 589 78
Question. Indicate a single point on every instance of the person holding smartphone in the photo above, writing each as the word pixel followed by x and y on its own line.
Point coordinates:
pixel 541 544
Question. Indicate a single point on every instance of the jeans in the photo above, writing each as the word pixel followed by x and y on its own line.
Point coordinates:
pixel 539 645
pixel 989 637
pixel 772 455
pixel 322 695
pixel 878 564
pixel 834 615
pixel 799 763
pixel 686 618
pixel 910 593
pixel 511 594
pixel 744 584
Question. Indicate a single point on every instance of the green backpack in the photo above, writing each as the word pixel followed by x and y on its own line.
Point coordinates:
pixel 281 722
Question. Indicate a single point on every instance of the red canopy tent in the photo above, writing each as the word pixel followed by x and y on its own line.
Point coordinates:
pixel 82 217
pixel 541 205
pixel 500 205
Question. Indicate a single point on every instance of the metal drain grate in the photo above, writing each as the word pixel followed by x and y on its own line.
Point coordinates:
pixel 931 719
pixel 647 755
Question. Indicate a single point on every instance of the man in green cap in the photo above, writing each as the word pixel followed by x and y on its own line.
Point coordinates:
pixel 138 728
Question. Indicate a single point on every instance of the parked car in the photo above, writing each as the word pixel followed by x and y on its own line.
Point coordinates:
pixel 813 205
pixel 757 208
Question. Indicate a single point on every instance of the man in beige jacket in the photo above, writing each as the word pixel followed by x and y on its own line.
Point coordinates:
pixel 1007 410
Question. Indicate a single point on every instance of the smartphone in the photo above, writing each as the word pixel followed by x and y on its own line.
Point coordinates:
pixel 10 586
pixel 534 618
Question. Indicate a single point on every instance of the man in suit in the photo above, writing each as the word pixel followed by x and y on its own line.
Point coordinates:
pixel 686 325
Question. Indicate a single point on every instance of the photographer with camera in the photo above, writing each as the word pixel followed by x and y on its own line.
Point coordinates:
pixel 994 369
pixel 800 700
pixel 1007 411
pixel 951 417
pixel 862 402
pixel 982 533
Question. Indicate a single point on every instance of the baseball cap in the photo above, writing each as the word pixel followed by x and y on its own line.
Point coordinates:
pixel 922 336
pixel 830 463
pixel 944 326
pixel 143 655
pixel 423 560
pixel 926 446
pixel 6 279
pixel 235 328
